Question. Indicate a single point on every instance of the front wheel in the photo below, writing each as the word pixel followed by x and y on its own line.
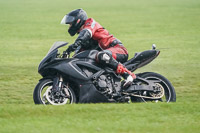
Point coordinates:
pixel 43 94
pixel 167 90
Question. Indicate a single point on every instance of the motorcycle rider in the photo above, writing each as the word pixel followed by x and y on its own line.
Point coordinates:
pixel 113 52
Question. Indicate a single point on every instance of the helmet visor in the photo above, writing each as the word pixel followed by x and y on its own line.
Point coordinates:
pixel 67 19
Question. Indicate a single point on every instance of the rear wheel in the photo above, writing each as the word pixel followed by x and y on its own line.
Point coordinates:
pixel 43 94
pixel 166 90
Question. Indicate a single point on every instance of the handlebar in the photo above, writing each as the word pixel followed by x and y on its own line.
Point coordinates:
pixel 65 54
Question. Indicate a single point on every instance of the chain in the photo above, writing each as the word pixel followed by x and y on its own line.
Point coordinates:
pixel 143 96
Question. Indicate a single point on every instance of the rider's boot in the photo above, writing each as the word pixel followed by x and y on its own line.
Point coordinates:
pixel 126 74
pixel 106 58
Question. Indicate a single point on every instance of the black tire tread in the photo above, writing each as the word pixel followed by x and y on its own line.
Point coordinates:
pixel 36 93
pixel 172 90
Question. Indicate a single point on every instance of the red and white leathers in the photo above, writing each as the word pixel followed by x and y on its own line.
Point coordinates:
pixel 113 50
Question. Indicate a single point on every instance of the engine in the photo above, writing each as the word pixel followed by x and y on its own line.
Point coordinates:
pixel 107 85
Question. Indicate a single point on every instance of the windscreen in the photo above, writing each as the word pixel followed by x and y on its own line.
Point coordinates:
pixel 57 45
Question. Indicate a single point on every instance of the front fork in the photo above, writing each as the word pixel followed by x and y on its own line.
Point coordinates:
pixel 57 83
pixel 58 88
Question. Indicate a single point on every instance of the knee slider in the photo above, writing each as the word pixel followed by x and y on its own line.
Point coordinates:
pixel 104 56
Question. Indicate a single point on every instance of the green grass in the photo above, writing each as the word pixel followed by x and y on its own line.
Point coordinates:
pixel 28 28
pixel 101 118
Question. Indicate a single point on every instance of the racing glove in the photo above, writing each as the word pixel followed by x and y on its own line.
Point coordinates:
pixel 84 36
pixel 73 47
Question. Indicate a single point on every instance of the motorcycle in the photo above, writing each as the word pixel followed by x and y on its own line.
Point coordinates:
pixel 81 80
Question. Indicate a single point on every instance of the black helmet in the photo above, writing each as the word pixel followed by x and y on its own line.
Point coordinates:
pixel 76 19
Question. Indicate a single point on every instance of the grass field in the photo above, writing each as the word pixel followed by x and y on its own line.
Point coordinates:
pixel 28 28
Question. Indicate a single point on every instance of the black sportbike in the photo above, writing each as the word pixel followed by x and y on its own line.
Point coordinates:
pixel 81 80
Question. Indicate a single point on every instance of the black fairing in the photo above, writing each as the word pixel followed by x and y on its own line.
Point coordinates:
pixel 51 55
pixel 90 54
pixel 70 68
pixel 46 61
pixel 89 94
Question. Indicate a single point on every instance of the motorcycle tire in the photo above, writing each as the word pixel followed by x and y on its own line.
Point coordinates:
pixel 169 91
pixel 48 83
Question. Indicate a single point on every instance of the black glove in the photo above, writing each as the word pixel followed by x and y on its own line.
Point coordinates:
pixel 73 47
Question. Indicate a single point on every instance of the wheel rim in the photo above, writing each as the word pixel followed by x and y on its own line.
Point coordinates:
pixel 47 97
pixel 166 92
